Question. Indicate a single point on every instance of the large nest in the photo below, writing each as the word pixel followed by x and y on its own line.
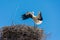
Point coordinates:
pixel 21 32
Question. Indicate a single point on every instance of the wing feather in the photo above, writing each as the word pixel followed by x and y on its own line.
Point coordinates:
pixel 39 17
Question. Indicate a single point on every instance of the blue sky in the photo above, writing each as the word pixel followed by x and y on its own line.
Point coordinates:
pixel 13 9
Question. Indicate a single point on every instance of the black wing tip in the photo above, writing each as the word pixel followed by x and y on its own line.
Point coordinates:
pixel 24 17
pixel 41 18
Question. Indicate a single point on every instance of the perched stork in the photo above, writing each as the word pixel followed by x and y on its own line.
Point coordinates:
pixel 37 19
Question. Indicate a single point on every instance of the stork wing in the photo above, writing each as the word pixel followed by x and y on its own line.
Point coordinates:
pixel 39 17
pixel 24 16
pixel 27 15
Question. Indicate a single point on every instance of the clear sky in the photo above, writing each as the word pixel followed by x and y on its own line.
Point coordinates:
pixel 13 9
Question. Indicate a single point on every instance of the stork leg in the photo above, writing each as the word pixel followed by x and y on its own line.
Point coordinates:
pixel 35 26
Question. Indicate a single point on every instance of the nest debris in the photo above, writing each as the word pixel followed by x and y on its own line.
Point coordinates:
pixel 21 32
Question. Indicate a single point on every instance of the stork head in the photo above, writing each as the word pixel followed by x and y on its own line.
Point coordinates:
pixel 33 12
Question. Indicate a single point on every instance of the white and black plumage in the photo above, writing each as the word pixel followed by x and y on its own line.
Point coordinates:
pixel 37 19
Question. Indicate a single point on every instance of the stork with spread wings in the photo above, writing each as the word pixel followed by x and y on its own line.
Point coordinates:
pixel 37 19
